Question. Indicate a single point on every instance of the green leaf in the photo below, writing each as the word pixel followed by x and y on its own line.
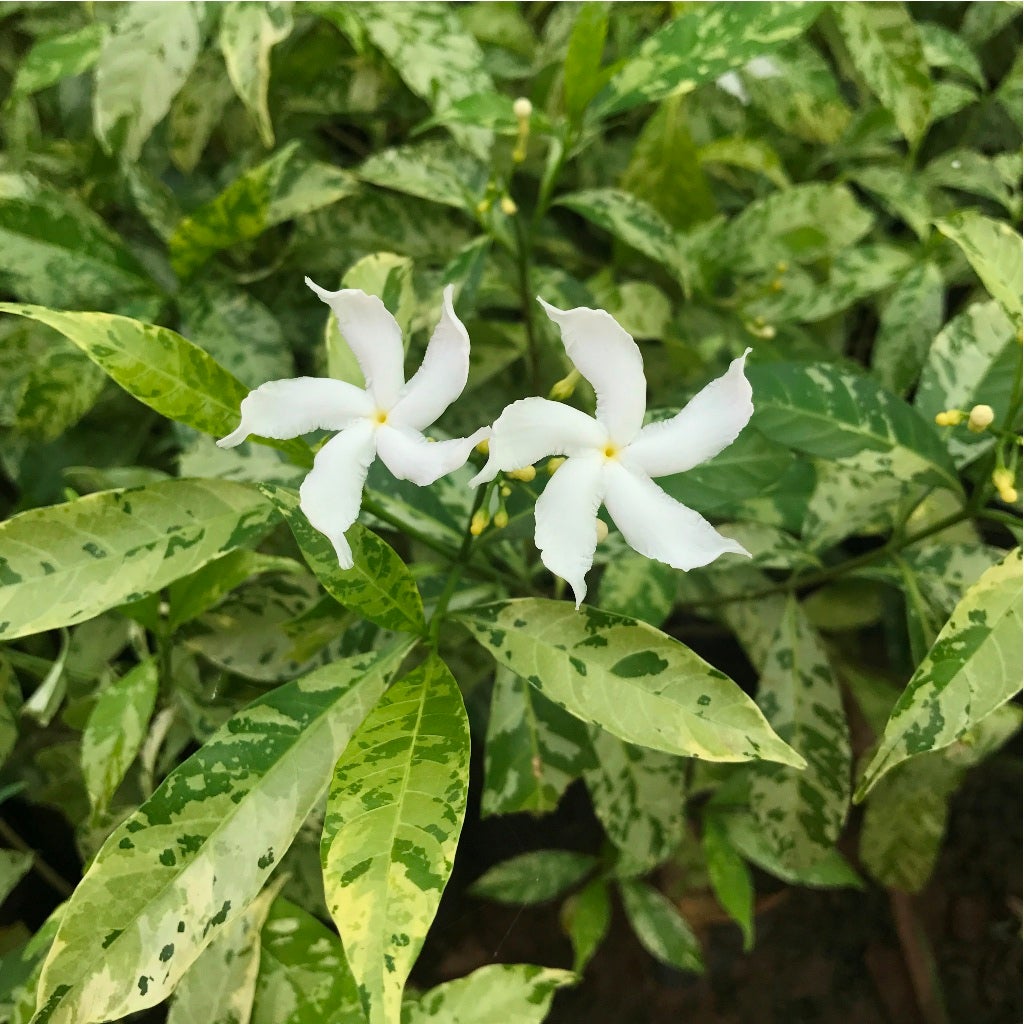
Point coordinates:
pixel 661 929
pixel 14 865
pixel 802 813
pixel 394 814
pixel 884 45
pixel 973 668
pixel 378 586
pixel 63 564
pixel 638 587
pixel 248 32
pixel 185 863
pixel 830 412
pixel 968 171
pixel 702 44
pixel 431 170
pixel 993 249
pixel 117 725
pixel 748 154
pixel 945 570
pixel 900 193
pixel 284 187
pixel 581 73
pixel 586 917
pixel 945 49
pixel 147 54
pixel 909 321
pixel 533 750
pixel 304 977
pixel 57 57
pixel 497 992
pixel 730 878
pixel 197 111
pixel 628 678
pixel 10 703
pixel 534 877
pixel 639 797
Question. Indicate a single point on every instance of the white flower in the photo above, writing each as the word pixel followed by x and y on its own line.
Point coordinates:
pixel 386 419
pixel 612 458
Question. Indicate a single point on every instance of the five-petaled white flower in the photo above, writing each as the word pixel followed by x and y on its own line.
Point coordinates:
pixel 613 457
pixel 386 419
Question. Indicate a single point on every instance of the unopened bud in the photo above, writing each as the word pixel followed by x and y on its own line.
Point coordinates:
pixel 949 418
pixel 508 206
pixel 504 490
pixel 500 519
pixel 479 522
pixel 781 267
pixel 553 464
pixel 1008 495
pixel 981 417
pixel 522 108
pixel 1002 478
pixel 483 447
pixel 484 205
pixel 526 474
pixel 602 530
pixel 563 389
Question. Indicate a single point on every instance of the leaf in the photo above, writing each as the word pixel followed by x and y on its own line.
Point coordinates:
pixel 378 586
pixel 730 878
pixel 304 977
pixel 197 111
pixel 10 703
pixel 586 917
pixel 54 58
pixel 900 193
pixel 117 725
pixel 639 797
pixel 701 45
pixel 534 749
pixel 54 249
pixel 248 32
pixel 284 187
pixel 497 992
pixel 394 814
pixel 883 43
pixel 628 678
pixel 993 249
pixel 968 171
pixel 14 865
pixel 581 73
pixel 638 587
pixel 973 359
pixel 973 667
pixel 431 170
pixel 219 987
pixel 945 49
pixel 833 413
pixel 63 564
pixel 661 929
pixel 147 54
pixel 802 813
pixel 48 696
pixel 535 877
pixel 185 864
pixel 749 154
pixel 909 321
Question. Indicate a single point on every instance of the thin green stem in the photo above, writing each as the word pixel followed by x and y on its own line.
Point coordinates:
pixel 523 261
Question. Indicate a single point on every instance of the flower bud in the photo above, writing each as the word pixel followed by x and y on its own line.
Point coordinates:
pixel 949 418
pixel 602 530
pixel 981 417
pixel 483 447
pixel 553 464
pixel 484 205
pixel 1002 478
pixel 522 108
pixel 508 206
pixel 1008 495
pixel 479 522
pixel 504 490
pixel 500 519
pixel 526 474
pixel 563 389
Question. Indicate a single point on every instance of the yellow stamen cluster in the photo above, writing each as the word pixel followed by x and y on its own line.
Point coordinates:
pixel 949 418
pixel 1003 479
pixel 980 418
pixel 526 474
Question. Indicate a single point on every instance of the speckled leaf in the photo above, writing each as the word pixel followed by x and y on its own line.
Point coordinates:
pixel 909 321
pixel 534 749
pixel 534 877
pixel 966 170
pixel 185 863
pixel 219 987
pixel 10 703
pixel 57 57
pixel 394 814
pixel 945 49
pixel 628 678
pixel 639 796
pixel 248 32
pixel 660 927
pixel 702 44
pixel 497 992
pixel 802 813
pixel 432 170
pixel 304 977
pixel 197 111
pixel 993 249
pixel 115 730
pixel 147 55
pixel 585 918
pixel 900 193
pixel 378 586
pixel 822 410
pixel 973 668
pixel 638 587
pixel 946 570
pixel 14 865
pixel 730 878
pixel 905 817
pixel 282 188
pixel 973 359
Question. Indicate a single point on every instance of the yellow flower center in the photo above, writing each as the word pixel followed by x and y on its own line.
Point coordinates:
pixel 611 451
pixel 380 417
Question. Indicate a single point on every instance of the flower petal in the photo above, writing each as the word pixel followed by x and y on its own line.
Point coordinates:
pixel 373 335
pixel 566 515
pixel 287 408
pixel 331 494
pixel 659 526
pixel 411 456
pixel 531 428
pixel 442 375
pixel 609 358
pixel 709 423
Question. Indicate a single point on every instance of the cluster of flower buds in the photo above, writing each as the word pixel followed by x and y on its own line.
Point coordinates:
pixel 1003 480
pixel 979 419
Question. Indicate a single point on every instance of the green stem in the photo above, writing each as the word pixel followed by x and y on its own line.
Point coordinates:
pixel 458 565
pixel 523 258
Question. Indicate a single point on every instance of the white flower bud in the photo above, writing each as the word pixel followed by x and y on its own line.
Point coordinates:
pixel 522 108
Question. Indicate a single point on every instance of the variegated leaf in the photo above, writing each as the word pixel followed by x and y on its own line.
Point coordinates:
pixel 54 58
pixel 14 865
pixel 661 928
pixel 994 250
pixel 638 587
pixel 534 877
pixel 394 814
pixel 431 170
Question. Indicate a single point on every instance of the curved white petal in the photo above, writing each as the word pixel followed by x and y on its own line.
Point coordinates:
pixel 659 526
pixel 373 335
pixel 410 456
pixel 531 428
pixel 287 408
pixel 567 520
pixel 331 494
pixel 442 375
pixel 609 358
pixel 709 423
